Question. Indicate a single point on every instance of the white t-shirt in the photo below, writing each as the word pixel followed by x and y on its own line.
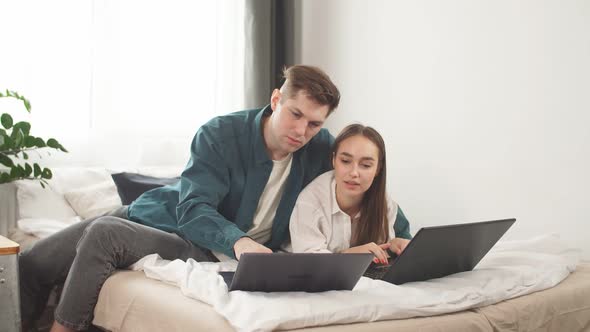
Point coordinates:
pixel 317 222
pixel 268 203
pixel 269 200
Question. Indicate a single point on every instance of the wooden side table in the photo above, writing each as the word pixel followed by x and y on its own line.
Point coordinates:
pixel 9 288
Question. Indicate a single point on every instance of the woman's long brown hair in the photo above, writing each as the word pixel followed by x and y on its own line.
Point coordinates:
pixel 373 224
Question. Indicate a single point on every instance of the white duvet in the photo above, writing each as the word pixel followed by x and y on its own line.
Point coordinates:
pixel 509 270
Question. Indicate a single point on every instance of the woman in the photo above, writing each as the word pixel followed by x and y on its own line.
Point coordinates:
pixel 347 210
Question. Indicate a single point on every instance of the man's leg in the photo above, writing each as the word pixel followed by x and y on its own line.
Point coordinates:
pixel 46 265
pixel 107 244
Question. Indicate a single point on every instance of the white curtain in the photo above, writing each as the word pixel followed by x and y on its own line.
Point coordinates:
pixel 122 82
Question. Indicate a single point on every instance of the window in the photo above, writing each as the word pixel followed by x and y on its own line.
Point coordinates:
pixel 125 80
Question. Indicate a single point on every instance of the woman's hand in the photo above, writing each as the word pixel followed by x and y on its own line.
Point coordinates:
pixel 379 250
pixel 398 245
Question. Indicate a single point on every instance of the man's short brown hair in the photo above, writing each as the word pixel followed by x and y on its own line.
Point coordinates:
pixel 314 81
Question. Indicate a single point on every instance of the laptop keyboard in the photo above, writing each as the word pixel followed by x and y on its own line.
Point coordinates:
pixel 377 271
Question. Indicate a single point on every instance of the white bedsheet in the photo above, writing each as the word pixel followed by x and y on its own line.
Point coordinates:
pixel 510 269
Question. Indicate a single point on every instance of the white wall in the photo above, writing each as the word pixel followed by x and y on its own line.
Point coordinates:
pixel 484 105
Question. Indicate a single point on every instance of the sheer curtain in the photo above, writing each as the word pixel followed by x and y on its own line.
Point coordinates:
pixel 119 82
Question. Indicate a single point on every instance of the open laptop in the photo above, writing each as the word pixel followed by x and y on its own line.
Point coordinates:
pixel 306 272
pixel 439 251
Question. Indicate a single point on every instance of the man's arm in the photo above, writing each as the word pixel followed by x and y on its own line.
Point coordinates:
pixel 402 225
pixel 203 185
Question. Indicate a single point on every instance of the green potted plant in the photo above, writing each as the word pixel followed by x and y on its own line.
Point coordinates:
pixel 16 143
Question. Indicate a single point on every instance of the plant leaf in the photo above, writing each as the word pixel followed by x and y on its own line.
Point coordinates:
pixel 6 161
pixel 19 138
pixel 36 170
pixel 25 156
pixel 6 120
pixel 8 143
pixel 28 170
pixel 46 174
pixel 16 172
pixel 52 143
pixel 1 140
pixel 39 142
pixel 30 141
pixel 4 177
pixel 16 95
pixel 27 104
pixel 24 126
pixel 21 171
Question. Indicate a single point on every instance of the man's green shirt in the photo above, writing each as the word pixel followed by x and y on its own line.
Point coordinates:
pixel 214 202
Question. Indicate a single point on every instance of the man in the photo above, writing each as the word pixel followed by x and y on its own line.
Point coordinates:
pixel 235 196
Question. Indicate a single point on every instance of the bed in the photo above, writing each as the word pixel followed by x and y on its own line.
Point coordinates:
pixel 125 304
pixel 129 301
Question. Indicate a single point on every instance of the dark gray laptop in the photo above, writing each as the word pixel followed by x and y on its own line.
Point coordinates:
pixel 306 272
pixel 442 250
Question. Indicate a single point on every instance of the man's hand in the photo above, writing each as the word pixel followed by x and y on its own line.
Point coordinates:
pixel 398 245
pixel 246 244
pixel 379 250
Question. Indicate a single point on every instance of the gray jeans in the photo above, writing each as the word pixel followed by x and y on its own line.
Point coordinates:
pixel 83 256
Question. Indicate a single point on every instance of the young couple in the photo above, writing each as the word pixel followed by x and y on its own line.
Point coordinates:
pixel 238 193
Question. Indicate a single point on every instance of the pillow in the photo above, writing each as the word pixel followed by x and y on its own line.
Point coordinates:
pixel 95 200
pixel 159 171
pixel 41 228
pixel 72 178
pixel 35 202
pixel 132 185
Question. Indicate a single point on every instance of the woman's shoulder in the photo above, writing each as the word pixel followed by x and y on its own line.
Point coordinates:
pixel 319 188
